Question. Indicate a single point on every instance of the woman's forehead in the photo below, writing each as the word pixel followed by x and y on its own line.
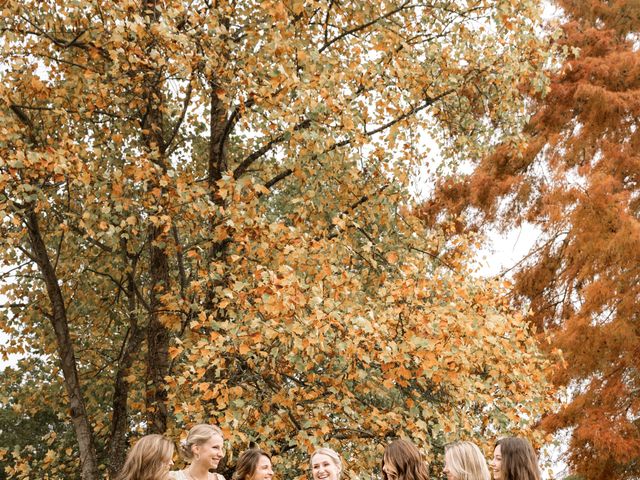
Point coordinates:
pixel 321 458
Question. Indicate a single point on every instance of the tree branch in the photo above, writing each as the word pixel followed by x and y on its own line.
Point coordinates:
pixel 246 163
pixel 24 118
pixel 178 124
pixel 232 120
pixel 353 206
pixel 281 176
pixel 361 27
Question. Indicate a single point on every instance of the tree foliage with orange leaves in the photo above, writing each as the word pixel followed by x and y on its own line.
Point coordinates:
pixel 576 177
pixel 206 217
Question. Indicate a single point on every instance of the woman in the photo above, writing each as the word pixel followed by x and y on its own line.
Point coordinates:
pixel 326 464
pixel 514 459
pixel 254 464
pixel 202 449
pixel 402 461
pixel 464 461
pixel 149 459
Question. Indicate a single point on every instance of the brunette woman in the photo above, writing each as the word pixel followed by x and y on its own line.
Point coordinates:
pixel 254 464
pixel 515 459
pixel 402 461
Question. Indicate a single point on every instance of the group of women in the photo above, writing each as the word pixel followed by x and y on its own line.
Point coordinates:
pixel 151 458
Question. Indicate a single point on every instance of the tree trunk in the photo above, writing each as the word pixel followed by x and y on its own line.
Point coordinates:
pixel 59 321
pixel 120 419
pixel 157 339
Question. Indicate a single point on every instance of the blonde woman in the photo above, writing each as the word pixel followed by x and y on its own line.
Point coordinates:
pixel 149 459
pixel 202 450
pixel 464 461
pixel 326 464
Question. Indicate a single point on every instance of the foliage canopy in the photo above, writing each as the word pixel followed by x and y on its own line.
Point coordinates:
pixel 205 206
pixel 576 178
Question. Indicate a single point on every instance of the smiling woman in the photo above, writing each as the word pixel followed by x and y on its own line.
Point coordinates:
pixel 515 459
pixel 149 459
pixel 254 464
pixel 203 449
pixel 326 464
pixel 464 461
pixel 402 461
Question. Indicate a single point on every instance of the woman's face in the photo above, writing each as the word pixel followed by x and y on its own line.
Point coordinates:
pixel 496 464
pixel 210 452
pixel 263 469
pixel 324 468
pixel 447 470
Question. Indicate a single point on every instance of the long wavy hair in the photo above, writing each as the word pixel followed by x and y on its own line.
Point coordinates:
pixel 248 463
pixel 406 459
pixel 148 459
pixel 466 462
pixel 519 460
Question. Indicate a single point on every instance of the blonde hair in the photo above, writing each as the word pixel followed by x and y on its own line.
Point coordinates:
pixel 332 454
pixel 466 462
pixel 148 459
pixel 198 435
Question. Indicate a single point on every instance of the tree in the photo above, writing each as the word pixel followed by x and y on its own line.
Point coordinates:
pixel 26 430
pixel 576 178
pixel 205 208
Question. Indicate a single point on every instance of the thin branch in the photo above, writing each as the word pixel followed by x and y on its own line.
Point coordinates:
pixel 67 62
pixel 59 250
pixel 326 23
pixel 8 272
pixel 24 118
pixel 248 161
pixel 15 305
pixel 66 110
pixel 178 124
pixel 110 277
pixel 281 176
pixel 353 206
pixel 533 252
pixel 427 103
pixel 434 256
pixel 349 433
pixel 29 254
pixel 233 119
pixel 362 27
pixel 85 235
pixel 180 259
